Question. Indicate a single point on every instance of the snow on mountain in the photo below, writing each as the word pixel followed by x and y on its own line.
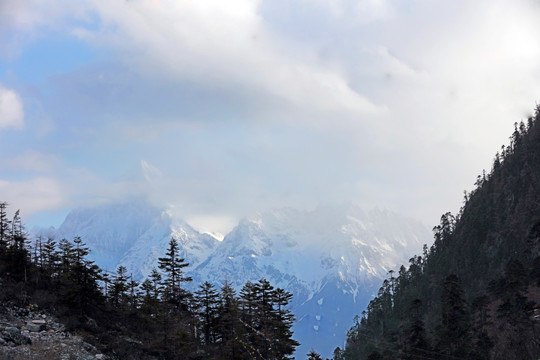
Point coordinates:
pixel 143 255
pixel 332 258
pixel 134 234
pixel 290 245
pixel 109 230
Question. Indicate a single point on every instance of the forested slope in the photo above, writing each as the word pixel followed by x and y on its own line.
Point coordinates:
pixel 473 294
pixel 124 319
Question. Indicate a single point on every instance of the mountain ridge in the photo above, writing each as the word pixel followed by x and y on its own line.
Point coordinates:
pixel 330 258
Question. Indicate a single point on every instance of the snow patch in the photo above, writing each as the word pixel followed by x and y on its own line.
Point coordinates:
pixel 355 249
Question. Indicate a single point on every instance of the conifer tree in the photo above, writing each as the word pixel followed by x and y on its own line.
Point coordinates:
pixel 17 229
pixel 155 279
pixel 17 259
pixel 51 257
pixel 80 278
pixel 313 355
pixel 5 225
pixel 265 337
pixel 133 294
pixel 229 329
pixel 415 341
pixel 516 313
pixel 173 267
pixel 249 298
pixel 454 335
pixel 149 301
pixel 118 288
pixel 285 345
pixel 149 295
pixel 206 300
pixel 482 342
pixel 67 255
pixel 154 330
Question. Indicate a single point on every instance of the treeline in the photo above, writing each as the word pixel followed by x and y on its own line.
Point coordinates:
pixel 474 293
pixel 157 318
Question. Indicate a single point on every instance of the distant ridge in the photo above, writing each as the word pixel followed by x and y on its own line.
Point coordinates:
pixel 331 258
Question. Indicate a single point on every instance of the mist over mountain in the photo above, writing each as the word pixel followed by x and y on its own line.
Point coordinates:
pixel 331 258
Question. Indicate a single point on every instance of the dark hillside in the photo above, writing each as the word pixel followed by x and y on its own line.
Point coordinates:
pixel 472 295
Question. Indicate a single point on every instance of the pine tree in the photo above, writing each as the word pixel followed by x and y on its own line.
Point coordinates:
pixel 17 229
pixel 39 257
pixel 51 257
pixel 149 302
pixel 119 287
pixel 313 355
pixel 206 299
pixel 5 225
pixel 172 265
pixel 155 279
pixel 17 257
pixel 249 297
pixel 415 340
pixel 454 335
pixel 133 299
pixel 285 345
pixel 516 313
pixel 150 293
pixel 482 342
pixel 82 276
pixel 338 354
pixel 67 256
pixel 229 328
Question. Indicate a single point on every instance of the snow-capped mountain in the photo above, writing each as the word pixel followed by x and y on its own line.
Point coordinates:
pixel 332 258
pixel 143 256
pixel 134 234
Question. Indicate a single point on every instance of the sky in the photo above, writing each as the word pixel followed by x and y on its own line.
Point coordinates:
pixel 220 109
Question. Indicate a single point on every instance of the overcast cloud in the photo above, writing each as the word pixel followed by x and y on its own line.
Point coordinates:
pixel 221 109
pixel 11 109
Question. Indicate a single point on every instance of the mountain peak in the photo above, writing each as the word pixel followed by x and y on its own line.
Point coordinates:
pixel 334 253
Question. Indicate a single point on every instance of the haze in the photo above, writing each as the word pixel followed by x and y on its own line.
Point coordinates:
pixel 223 108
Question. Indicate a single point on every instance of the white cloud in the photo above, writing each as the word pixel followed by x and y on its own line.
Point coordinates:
pixel 11 109
pixel 219 44
pixel 31 14
pixel 415 95
pixel 33 161
pixel 33 195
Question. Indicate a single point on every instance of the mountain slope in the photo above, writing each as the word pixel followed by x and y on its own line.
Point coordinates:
pixel 332 259
pixel 110 230
pixel 134 234
pixel 482 273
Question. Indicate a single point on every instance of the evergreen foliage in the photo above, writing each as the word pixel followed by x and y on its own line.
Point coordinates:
pixel 475 290
pixel 313 355
pixel 173 268
pixel 157 319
